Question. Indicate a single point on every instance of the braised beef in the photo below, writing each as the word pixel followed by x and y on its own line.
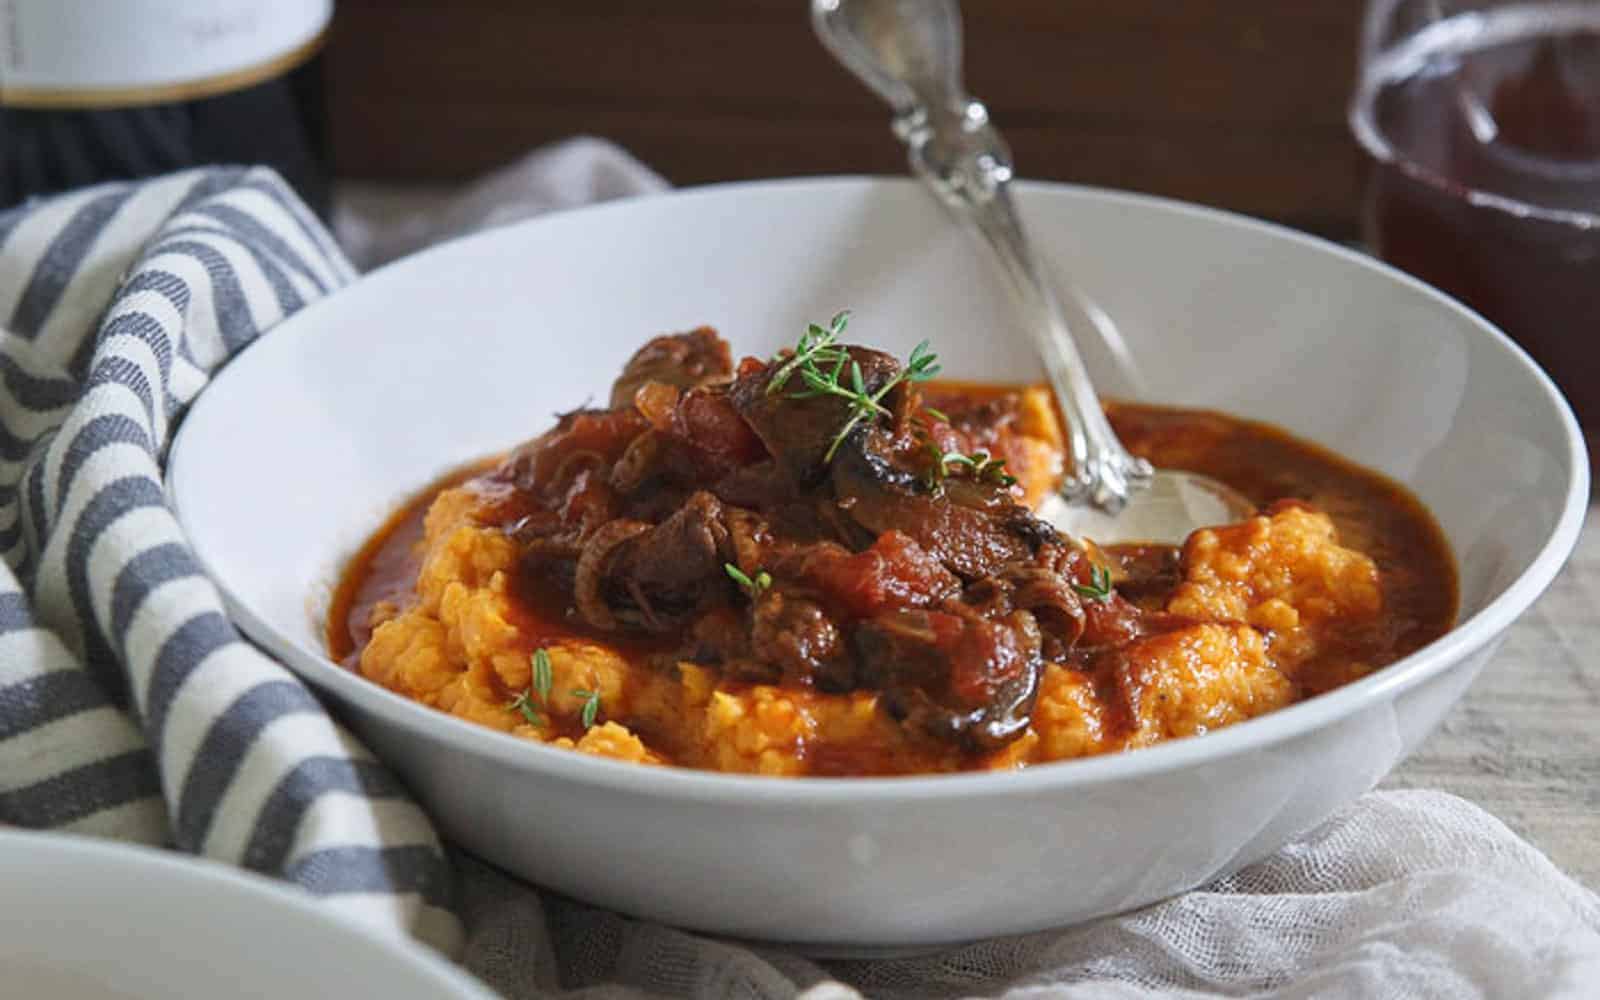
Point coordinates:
pixel 656 578
pixel 954 674
pixel 1146 570
pixel 754 529
pixel 579 437
pixel 893 572
pixel 797 639
pixel 971 527
pixel 697 439
pixel 1048 595
pixel 681 360
pixel 799 430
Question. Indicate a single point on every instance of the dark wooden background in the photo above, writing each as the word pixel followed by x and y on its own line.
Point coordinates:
pixel 1235 103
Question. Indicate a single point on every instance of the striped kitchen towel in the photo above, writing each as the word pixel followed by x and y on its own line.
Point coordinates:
pixel 129 706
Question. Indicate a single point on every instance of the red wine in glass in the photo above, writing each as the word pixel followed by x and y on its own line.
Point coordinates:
pixel 1484 130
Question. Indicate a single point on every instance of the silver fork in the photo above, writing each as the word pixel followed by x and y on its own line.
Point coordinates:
pixel 909 53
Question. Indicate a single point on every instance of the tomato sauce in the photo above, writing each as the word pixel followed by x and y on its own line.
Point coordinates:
pixel 1371 513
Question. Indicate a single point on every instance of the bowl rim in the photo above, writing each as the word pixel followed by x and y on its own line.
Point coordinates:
pixel 689 784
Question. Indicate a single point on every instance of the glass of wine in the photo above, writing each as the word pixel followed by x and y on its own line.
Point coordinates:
pixel 1482 120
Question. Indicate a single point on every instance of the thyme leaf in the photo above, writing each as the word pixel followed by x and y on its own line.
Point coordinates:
pixel 537 693
pixel 543 674
pixel 753 588
pixel 522 703
pixel 591 706
pixel 1099 588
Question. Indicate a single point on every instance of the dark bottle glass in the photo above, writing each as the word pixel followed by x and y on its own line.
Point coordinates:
pixel 1486 179
pixel 270 112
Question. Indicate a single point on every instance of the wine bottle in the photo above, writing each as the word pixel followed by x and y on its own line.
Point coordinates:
pixel 96 90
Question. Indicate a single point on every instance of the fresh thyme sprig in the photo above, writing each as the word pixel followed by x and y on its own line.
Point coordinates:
pixel 822 365
pixel 1099 588
pixel 816 346
pixel 991 469
pixel 752 588
pixel 539 691
pixel 984 467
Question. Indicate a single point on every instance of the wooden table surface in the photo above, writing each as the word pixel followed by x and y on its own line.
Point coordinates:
pixel 1233 103
pixel 1525 741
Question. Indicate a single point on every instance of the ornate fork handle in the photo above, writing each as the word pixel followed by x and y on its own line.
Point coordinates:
pixel 909 52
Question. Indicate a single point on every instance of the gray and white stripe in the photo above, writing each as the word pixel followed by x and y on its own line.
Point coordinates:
pixel 130 707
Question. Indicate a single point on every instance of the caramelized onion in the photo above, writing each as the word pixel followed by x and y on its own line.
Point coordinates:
pixel 586 586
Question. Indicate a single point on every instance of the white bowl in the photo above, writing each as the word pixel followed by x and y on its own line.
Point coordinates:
pixel 84 919
pixel 298 449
